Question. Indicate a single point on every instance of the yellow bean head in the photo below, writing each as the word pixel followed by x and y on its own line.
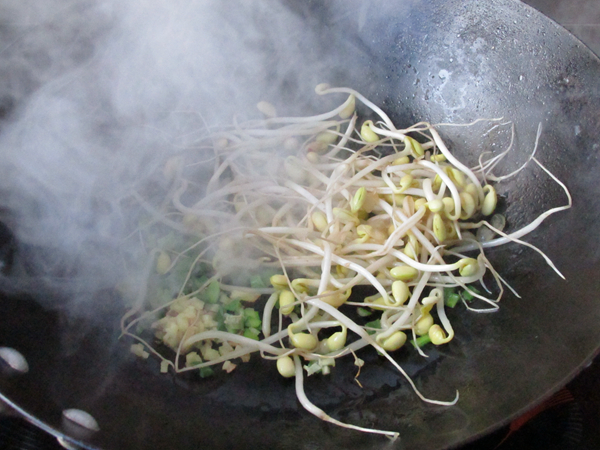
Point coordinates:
pixel 423 324
pixel 285 367
pixel 489 201
pixel 367 134
pixel 404 273
pixel 393 342
pixel 358 200
pixel 438 335
pixel 400 292
pixel 286 301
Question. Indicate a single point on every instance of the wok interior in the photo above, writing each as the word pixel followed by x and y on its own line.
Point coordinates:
pixel 448 62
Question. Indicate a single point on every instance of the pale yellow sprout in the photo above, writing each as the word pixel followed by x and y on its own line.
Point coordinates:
pixel 414 146
pixel 435 205
pixel 448 206
pixel 468 205
pixel 405 182
pixel 400 161
pixel 439 227
pixel 404 273
pixel 490 200
pixel 393 342
pixel 467 267
pixel 438 335
pixel 367 134
pixel 304 341
pixel 267 109
pixel 420 203
pixel 286 301
pixel 300 285
pixel 349 109
pixel 337 340
pixel 285 367
pixel 319 220
pixel 400 292
pixel 279 281
pixel 163 263
pixel 358 200
pixel 423 325
pixel 345 216
pixel 336 299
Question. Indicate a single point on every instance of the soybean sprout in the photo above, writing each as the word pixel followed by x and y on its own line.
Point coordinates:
pixel 303 213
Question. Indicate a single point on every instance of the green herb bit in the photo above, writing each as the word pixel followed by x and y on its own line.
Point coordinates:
pixel 233 323
pixel 213 292
pixel 373 324
pixel 256 282
pixel 197 283
pixel 206 372
pixel 467 295
pixel 220 319
pixel 253 322
pixel 234 306
pixel 451 299
pixel 251 333
pixel 421 341
pixel 364 312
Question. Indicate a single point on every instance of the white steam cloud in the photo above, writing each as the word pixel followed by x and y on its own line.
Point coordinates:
pixel 95 94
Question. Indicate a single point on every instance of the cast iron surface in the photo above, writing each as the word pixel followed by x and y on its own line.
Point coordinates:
pixel 452 61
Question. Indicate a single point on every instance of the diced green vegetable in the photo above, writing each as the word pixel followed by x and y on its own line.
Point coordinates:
pixel 206 372
pixel 220 319
pixel 467 295
pixel 421 341
pixel 197 283
pixel 373 324
pixel 451 299
pixel 364 312
pixel 251 333
pixel 234 306
pixel 253 322
pixel 257 282
pixel 250 313
pixel 233 322
pixel 212 293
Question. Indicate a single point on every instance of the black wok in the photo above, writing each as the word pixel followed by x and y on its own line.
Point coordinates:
pixel 442 61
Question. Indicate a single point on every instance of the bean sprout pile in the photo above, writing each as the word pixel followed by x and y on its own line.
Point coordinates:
pixel 347 235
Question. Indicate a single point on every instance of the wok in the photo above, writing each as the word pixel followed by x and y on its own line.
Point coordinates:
pixel 442 61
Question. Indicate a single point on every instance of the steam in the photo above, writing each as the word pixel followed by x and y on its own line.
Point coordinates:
pixel 97 94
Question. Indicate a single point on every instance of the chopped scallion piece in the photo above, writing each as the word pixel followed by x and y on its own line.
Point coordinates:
pixel 213 291
pixel 421 341
pixel 251 333
pixel 206 372
pixel 364 312
pixel 257 282
pixel 234 306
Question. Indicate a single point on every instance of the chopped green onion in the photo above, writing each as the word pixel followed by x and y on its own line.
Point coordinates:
pixel 364 312
pixel 213 292
pixel 373 324
pixel 206 372
pixel 421 341
pixel 257 282
pixel 251 333
pixel 234 323
pixel 253 322
pixel 451 300
pixel 250 313
pixel 234 306
pixel 197 283
pixel 220 319
pixel 467 295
